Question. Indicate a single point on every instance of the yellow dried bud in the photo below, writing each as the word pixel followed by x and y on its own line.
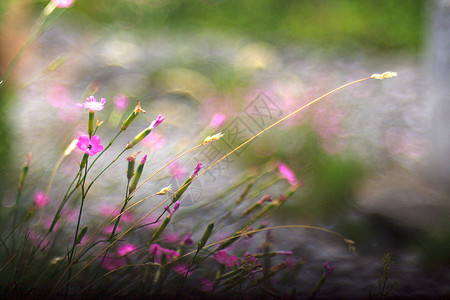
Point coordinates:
pixel 70 148
pixel 388 74
pixel 99 123
pixel 165 190
pixel 212 138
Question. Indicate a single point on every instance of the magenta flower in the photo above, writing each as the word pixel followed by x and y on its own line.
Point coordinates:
pixel 287 173
pixel 223 258
pixel 126 249
pixel 176 170
pixel 40 198
pixel 157 252
pixel 217 120
pixel 112 263
pixel 197 169
pixel 206 285
pixel 187 240
pixel 156 122
pixel 92 104
pixel 182 269
pixel 121 102
pixel 327 269
pixel 63 3
pixel 91 146
pixel 109 229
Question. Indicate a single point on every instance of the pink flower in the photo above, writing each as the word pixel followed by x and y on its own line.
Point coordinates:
pixel 154 141
pixel 182 269
pixel 287 173
pixel 126 249
pixel 197 169
pixel 223 258
pixel 92 104
pixel 109 229
pixel 108 210
pixel 112 263
pixel 327 269
pixel 157 252
pixel 171 238
pixel 206 285
pixel 156 122
pixel 176 171
pixel 63 3
pixel 217 120
pixel 58 96
pixel 121 102
pixel 40 198
pixel 92 146
pixel 187 240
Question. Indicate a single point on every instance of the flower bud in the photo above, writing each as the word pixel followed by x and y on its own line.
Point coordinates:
pixel 205 236
pixel 137 176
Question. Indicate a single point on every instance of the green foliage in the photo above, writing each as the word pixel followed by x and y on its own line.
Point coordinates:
pixel 384 25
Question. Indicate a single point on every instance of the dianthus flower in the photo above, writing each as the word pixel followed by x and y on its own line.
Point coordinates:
pixel 40 199
pixel 287 173
pixel 92 146
pixel 63 3
pixel 92 104
pixel 223 258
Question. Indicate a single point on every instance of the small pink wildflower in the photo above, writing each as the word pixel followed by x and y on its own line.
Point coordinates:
pixel 109 229
pixel 63 3
pixel 197 169
pixel 121 102
pixel 92 146
pixel 126 249
pixel 92 104
pixel 327 269
pixel 206 285
pixel 40 198
pixel 156 122
pixel 217 120
pixel 182 269
pixel 171 238
pixel 187 240
pixel 157 252
pixel 223 258
pixel 154 141
pixel 107 210
pixel 176 171
pixel 112 263
pixel 58 96
pixel 287 173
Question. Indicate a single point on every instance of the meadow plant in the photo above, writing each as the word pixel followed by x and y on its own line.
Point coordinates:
pixel 123 251
pixel 129 255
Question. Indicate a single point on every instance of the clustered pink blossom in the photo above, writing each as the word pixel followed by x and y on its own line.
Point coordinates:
pixel 92 104
pixel 223 258
pixel 40 198
pixel 63 3
pixel 90 146
pixel 157 252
